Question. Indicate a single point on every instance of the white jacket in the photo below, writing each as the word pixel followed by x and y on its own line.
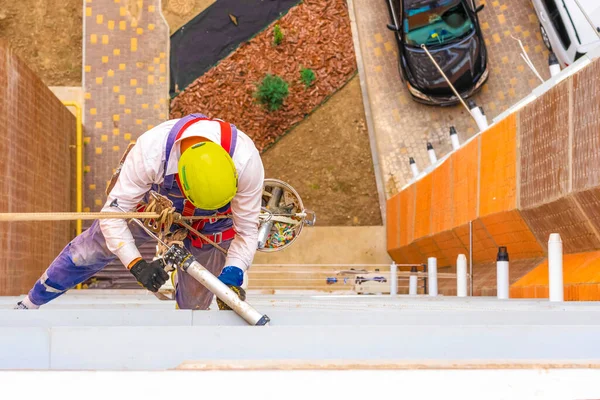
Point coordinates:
pixel 144 166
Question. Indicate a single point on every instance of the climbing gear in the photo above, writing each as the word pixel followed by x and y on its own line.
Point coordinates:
pixel 207 176
pixel 151 275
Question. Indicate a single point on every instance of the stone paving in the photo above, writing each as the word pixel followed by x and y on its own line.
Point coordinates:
pixel 125 81
pixel 402 126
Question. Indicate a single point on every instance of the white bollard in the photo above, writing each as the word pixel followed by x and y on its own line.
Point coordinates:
pixel 413 167
pixel 553 64
pixel 454 138
pixel 502 283
pixel 431 153
pixel 432 276
pixel 555 267
pixel 412 282
pixel 393 279
pixel 461 276
pixel 478 115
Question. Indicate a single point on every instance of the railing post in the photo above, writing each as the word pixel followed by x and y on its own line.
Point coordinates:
pixel 431 154
pixel 555 267
pixel 413 167
pixel 461 276
pixel 393 279
pixel 412 282
pixel 454 138
pixel 502 273
pixel 432 275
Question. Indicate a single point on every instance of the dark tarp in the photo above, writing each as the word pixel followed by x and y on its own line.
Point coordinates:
pixel 212 35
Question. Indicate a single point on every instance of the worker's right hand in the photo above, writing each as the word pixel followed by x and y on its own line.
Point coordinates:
pixel 150 275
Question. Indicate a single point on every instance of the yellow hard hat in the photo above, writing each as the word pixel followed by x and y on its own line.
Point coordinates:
pixel 208 176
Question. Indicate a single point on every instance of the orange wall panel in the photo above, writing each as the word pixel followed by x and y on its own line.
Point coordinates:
pixel 407 215
pixel 423 207
pixel 392 222
pixel 465 167
pixel 428 248
pixel 510 230
pixel 450 246
pixel 441 198
pixel 498 178
pixel 484 247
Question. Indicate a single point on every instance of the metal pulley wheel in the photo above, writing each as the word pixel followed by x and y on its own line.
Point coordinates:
pixel 282 216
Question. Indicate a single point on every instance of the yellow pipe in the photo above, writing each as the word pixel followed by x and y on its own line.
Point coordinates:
pixel 79 161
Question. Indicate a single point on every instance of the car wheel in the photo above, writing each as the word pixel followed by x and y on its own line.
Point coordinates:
pixel 545 38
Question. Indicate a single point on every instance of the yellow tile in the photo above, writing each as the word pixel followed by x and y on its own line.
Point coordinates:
pixel 111 24
pixel 162 116
pixel 495 3
pixel 116 89
pixel 98 202
pixel 122 67
pixel 378 38
pixel 139 31
pixel 98 124
pixel 151 8
pixel 87 168
pixel 134 23
pixel 116 52
pixel 117 1
pixel 133 82
pixel 156 60
pixel 87 140
pixel 526 34
pixel 87 95
pixel 138 121
pixel 93 38
pixel 151 68
pixel 88 1
pixel 139 64
pixel 104 138
pixel 496 38
pixel 104 39
pixel 162 101
pixel 162 79
pixel 513 81
pixel 485 25
pixel 150 79
pixel 128 111
pixel 121 99
pixel 93 111
pixel 517 28
pixel 92 186
pixel 127 136
pixel 122 25
pixel 150 27
pixel 115 148
pixel 116 117
pixel 139 90
pixel 512 92
pixel 506 33
pixel 538 49
pixel 521 68
pixel 110 73
pixel 156 106
pixel 150 127
pixel 503 7
pixel 505 60
pixel 88 11
pixel 377 51
pixel 500 96
pixel 133 44
pixel 86 209
pixel 99 18
pixel 162 55
pixel 145 106
pixel 116 131
pixel 378 68
pixel 162 68
pixel 501 19
pixel 388 46
pixel 104 59
pixel 98 150
pixel 122 11
pixel 88 68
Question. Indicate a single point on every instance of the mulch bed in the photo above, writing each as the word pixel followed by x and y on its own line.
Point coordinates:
pixel 317 35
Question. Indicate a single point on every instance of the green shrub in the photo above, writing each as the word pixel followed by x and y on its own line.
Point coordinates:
pixel 307 76
pixel 277 35
pixel 272 91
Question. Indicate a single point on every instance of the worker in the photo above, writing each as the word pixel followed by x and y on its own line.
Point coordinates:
pixel 205 167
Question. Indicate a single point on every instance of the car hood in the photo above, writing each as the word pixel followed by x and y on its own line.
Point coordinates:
pixel 460 61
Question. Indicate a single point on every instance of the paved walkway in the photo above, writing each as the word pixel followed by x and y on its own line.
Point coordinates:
pixel 125 80
pixel 402 127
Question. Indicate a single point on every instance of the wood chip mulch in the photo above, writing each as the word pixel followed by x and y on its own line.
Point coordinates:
pixel 317 35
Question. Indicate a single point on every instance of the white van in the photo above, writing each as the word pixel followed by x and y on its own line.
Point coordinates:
pixel 564 28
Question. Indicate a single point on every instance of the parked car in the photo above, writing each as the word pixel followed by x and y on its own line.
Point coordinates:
pixel 450 31
pixel 565 30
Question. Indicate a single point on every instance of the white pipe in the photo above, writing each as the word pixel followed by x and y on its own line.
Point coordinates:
pixel 454 138
pixel 555 266
pixel 553 64
pixel 502 282
pixel 393 279
pixel 412 282
pixel 461 276
pixel 432 276
pixel 431 153
pixel 413 167
pixel 479 116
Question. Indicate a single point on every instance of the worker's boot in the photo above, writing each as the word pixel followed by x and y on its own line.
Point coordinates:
pixel 26 304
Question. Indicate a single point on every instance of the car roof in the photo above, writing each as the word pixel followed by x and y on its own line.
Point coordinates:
pixel 580 23
pixel 423 3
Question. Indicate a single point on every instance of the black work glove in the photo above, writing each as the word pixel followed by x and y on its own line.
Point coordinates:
pixel 150 275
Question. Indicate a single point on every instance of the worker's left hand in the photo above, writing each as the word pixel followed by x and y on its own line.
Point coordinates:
pixel 233 277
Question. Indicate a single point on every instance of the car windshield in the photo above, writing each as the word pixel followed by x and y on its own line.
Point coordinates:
pixel 436 22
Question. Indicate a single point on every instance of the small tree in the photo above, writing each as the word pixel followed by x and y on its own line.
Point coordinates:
pixel 272 91
pixel 277 35
pixel 307 76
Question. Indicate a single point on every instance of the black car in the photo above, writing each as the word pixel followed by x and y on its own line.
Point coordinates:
pixel 450 31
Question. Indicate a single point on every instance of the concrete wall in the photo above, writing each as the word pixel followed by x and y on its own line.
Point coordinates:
pixel 37 173
pixel 533 173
